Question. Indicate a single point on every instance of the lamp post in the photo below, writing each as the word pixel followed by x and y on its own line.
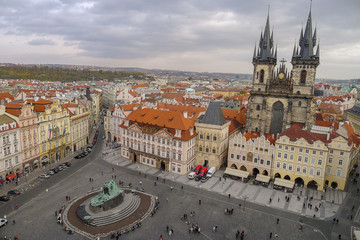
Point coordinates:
pixel 245 197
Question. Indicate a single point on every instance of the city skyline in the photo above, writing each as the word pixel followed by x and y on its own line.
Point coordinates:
pixel 206 36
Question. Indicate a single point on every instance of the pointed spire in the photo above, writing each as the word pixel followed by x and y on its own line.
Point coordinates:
pixel 314 38
pixel 275 53
pixel 318 50
pixel 265 48
pixel 301 37
pixel 294 51
pixel 254 55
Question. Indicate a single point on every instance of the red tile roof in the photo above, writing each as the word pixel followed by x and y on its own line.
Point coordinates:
pixel 3 96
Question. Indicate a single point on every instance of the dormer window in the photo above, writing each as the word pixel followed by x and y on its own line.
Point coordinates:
pixel 191 130
pixel 126 123
pixel 178 133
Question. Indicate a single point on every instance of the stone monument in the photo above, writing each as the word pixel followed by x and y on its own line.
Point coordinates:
pixel 111 196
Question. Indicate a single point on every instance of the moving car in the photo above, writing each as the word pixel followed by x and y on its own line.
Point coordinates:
pixel 13 192
pixel 3 222
pixel 44 176
pixel 4 198
pixel 197 169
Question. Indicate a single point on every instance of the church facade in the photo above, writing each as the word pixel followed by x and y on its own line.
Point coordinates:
pixel 280 98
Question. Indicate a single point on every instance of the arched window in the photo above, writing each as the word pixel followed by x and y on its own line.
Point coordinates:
pixel 303 77
pixel 299 103
pixel 214 137
pixel 261 76
pixel 214 150
pixel 259 89
pixel 200 148
pixel 257 107
pixel 207 149
pixel 298 92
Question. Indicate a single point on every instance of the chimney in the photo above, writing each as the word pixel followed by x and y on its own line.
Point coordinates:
pixel 328 136
pixel 185 113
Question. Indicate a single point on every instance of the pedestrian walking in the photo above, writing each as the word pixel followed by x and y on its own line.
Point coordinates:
pixel 182 187
pixel 277 221
pixel 102 173
pixel 171 188
pixel 160 238
pixel 167 228
pixel 167 200
pixel 199 201
pixel 229 195
pixel 164 179
pixel 270 235
pixel 55 213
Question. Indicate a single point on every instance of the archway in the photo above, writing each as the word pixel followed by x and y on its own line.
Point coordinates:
pixel 287 177
pixel 243 168
pixel 135 157
pixel 312 184
pixel 277 118
pixel 334 185
pixel 233 166
pixel 67 150
pixel 163 165
pixel 109 137
pixel 277 175
pixel 255 172
pixel 74 147
pixel 299 182
pixel 58 156
pixel 265 173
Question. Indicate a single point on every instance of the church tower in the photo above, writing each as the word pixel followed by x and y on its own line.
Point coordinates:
pixel 264 61
pixel 305 62
pixel 279 98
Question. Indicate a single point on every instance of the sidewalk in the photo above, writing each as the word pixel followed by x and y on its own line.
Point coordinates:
pixel 29 180
pixel 330 203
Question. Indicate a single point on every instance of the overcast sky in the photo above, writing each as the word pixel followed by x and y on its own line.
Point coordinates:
pixel 194 35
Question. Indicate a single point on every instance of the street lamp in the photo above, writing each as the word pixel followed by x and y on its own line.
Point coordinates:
pixel 245 197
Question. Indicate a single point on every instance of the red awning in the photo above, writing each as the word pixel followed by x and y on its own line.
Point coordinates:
pixel 2 180
pixel 11 176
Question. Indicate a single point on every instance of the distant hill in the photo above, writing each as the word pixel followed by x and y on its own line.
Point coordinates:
pixel 65 74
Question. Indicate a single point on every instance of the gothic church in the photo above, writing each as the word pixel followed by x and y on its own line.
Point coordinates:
pixel 279 98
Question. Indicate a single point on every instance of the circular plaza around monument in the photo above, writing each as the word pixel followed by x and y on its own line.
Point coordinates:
pixel 109 210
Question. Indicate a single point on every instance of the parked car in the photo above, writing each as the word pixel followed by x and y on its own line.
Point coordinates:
pixel 197 169
pixel 78 156
pixel 3 222
pixel 89 149
pixel 55 169
pixel 63 165
pixel 51 172
pixel 204 179
pixel 60 168
pixel 13 192
pixel 197 178
pixel 44 176
pixel 211 172
pixel 68 164
pixel 4 198
pixel 192 175
pixel 203 172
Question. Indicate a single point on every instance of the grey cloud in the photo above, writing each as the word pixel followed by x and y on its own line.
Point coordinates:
pixel 130 29
pixel 41 42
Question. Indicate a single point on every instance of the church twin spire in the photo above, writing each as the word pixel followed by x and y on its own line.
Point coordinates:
pixel 265 51
pixel 305 50
pixel 307 42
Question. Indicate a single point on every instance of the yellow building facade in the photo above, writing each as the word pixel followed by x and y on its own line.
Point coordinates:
pixel 54 132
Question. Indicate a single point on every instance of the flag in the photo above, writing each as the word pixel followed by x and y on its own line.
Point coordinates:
pixel 64 131
pixel 49 133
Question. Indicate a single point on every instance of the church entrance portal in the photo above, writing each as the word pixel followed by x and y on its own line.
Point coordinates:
pixel 277 118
